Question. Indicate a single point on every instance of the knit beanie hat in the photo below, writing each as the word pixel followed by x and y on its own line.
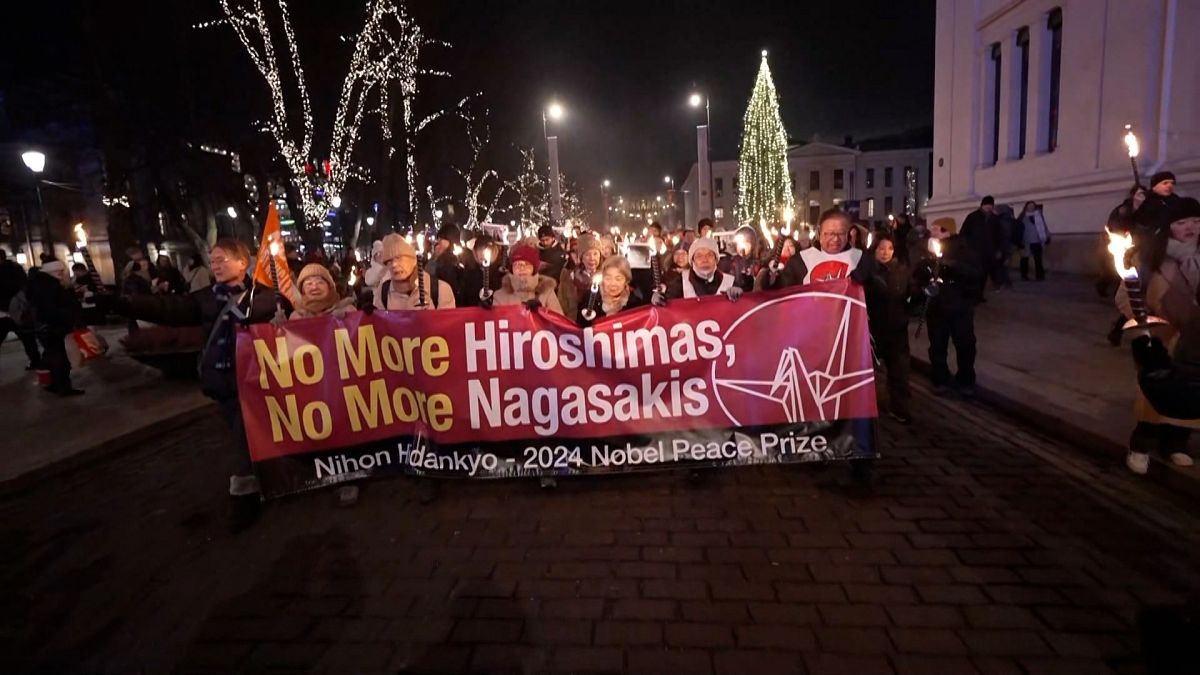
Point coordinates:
pixel 618 262
pixel 525 253
pixel 987 201
pixel 946 223
pixel 394 246
pixel 314 270
pixel 54 268
pixel 1160 177
pixel 700 244
pixel 586 243
pixel 1179 209
pixel 449 232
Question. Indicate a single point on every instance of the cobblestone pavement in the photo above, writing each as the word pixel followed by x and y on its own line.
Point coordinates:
pixel 980 548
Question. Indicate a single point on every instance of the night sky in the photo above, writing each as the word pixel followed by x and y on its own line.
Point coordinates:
pixel 623 70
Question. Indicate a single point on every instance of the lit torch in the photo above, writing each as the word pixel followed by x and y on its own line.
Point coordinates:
pixel 273 251
pixel 421 271
pixel 81 247
pixel 589 310
pixel 934 287
pixel 1131 144
pixel 1119 245
pixel 485 293
pixel 657 248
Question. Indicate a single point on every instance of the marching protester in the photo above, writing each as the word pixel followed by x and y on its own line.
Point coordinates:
pixel 950 308
pixel 137 278
pixel 702 278
pixel 56 315
pixel 888 292
pixel 832 258
pixel 15 314
pixel 617 293
pixel 473 266
pixel 1032 236
pixel 676 263
pixel 763 278
pixel 233 298
pixel 575 284
pixel 196 274
pixel 608 246
pixel 167 278
pixel 1171 293
pixel 901 229
pixel 402 289
pixel 980 231
pixel 376 271
pixel 704 229
pixel 445 265
pixel 317 296
pixel 550 253
pixel 523 285
pixel 742 262
pixel 294 262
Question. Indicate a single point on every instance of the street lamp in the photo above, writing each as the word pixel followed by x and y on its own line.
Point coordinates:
pixel 704 148
pixel 555 111
pixel 231 212
pixel 604 199
pixel 36 162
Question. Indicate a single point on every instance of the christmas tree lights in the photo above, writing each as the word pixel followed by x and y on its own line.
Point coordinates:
pixel 764 188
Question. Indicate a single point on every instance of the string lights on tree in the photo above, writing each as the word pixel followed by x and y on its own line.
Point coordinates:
pixel 764 188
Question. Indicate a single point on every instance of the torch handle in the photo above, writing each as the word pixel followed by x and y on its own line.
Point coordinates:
pixel 421 280
pixel 1137 301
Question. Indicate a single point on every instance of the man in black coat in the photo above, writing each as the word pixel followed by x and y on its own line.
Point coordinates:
pixel 56 315
pixel 551 254
pixel 950 311
pixel 446 266
pixel 980 231
pixel 232 299
pixel 12 281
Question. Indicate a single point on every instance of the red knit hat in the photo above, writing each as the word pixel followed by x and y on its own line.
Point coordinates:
pixel 525 253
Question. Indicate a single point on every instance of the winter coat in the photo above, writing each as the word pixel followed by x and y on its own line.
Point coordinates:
pixel 12 280
pixel 218 377
pixel 445 268
pixel 888 291
pixel 981 231
pixel 519 293
pixel 720 283
pixel 574 286
pixel 633 299
pixel 407 295
pixel 796 269
pixel 473 281
pixel 1031 229
pixel 961 273
pixel 553 260
pixel 339 308
pixel 55 307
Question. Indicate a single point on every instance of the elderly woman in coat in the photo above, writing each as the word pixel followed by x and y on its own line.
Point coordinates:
pixel 523 285
pixel 616 292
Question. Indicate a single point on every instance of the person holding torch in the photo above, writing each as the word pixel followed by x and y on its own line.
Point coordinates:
pixel 951 277
pixel 402 288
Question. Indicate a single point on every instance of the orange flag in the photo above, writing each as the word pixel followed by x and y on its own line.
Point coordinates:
pixel 273 239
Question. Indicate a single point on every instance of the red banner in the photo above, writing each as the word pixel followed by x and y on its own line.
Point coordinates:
pixel 506 391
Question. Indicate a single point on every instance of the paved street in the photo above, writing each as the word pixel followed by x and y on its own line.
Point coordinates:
pixel 980 549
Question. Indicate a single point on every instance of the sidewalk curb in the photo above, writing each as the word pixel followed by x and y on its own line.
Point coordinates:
pixel 104 449
pixel 1180 481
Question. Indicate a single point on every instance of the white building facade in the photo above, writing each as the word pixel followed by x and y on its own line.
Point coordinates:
pixel 1030 102
pixel 825 175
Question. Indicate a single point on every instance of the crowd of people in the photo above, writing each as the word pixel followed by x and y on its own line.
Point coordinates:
pixel 931 272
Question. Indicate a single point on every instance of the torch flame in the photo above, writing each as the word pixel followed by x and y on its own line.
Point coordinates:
pixel 675 240
pixel 80 236
pixel 487 257
pixel 457 250
pixel 596 279
pixel 273 248
pixel 739 241
pixel 788 215
pixel 353 276
pixel 936 246
pixel 762 224
pixel 1131 141
pixel 1118 246
pixel 870 238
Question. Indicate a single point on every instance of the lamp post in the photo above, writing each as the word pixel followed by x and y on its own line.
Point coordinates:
pixel 703 161
pixel 604 199
pixel 36 162
pixel 555 112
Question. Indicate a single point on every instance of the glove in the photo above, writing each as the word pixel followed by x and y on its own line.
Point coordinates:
pixel 734 293
pixel 533 305
pixel 486 302
pixel 366 301
pixel 279 319
pixel 658 299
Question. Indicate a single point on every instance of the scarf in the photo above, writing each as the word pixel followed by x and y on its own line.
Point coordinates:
pixel 306 306
pixel 528 284
pixel 223 344
pixel 1187 256
pixel 613 305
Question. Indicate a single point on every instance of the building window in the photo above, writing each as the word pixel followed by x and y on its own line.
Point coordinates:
pixel 1054 24
pixel 870 207
pixel 1023 109
pixel 718 186
pixel 870 178
pixel 993 105
pixel 814 180
pixel 718 213
pixel 887 206
pixel 887 177
pixel 814 214
pixel 839 179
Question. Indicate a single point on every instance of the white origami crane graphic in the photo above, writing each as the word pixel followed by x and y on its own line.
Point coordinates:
pixel 794 380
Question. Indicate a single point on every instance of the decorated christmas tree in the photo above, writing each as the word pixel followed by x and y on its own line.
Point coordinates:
pixel 764 188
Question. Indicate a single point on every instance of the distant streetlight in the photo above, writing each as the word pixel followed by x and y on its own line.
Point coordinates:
pixel 669 181
pixel 231 212
pixel 607 183
pixel 36 161
pixel 555 111
pixel 695 100
pixel 706 161
pixel 370 220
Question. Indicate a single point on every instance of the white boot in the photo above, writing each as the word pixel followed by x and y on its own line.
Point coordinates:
pixel 1181 459
pixel 1138 462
